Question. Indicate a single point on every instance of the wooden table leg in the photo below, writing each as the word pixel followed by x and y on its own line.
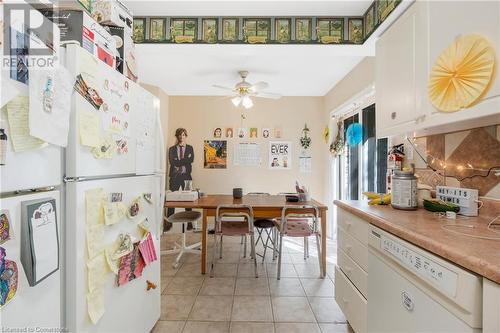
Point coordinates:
pixel 204 243
pixel 323 241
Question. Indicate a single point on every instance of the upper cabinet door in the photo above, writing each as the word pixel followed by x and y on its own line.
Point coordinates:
pixel 405 54
pixel 447 21
pixel 397 75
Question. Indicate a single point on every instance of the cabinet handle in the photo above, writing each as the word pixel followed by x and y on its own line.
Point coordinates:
pixel 349 224
pixel 393 115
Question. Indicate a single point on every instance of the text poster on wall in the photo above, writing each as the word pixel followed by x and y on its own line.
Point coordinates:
pixel 280 155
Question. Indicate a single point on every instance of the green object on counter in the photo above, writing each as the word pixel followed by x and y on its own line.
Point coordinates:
pixel 440 206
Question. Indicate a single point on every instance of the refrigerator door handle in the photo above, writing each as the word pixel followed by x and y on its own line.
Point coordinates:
pixel 73 179
pixel 163 162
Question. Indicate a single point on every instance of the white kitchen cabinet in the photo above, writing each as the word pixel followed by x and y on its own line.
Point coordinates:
pixel 447 21
pixel 491 306
pixel 406 52
pixel 351 276
pixel 399 63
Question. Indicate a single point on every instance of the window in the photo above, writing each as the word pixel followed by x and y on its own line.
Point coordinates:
pixel 363 167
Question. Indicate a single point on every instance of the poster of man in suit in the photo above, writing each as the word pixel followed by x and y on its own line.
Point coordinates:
pixel 180 158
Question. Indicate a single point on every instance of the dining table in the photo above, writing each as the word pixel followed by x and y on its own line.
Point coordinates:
pixel 263 206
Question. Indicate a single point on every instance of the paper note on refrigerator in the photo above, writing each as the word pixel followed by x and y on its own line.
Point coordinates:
pixel 114 212
pixel 89 125
pixel 17 114
pixel 96 271
pixel 95 236
pixel 93 206
pixel 50 105
pixel 147 248
pixel 95 305
pixel 113 263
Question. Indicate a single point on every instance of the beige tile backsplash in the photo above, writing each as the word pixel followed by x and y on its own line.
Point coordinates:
pixel 458 155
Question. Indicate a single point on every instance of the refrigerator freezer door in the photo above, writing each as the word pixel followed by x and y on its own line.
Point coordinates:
pixel 130 307
pixel 124 121
pixel 38 306
pixel 31 168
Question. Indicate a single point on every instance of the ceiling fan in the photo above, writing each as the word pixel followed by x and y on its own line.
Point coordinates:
pixel 243 91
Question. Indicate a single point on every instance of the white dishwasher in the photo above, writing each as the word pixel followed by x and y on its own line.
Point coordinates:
pixel 412 290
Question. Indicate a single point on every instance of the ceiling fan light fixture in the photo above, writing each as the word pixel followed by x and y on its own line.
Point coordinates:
pixel 236 101
pixel 247 102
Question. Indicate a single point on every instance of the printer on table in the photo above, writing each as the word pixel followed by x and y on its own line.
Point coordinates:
pixel 181 195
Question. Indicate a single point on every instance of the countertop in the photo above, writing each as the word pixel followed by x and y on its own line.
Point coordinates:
pixel 425 229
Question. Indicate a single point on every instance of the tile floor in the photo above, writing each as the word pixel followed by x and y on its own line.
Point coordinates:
pixel 234 301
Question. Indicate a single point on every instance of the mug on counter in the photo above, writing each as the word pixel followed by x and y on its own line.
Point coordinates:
pixel 237 192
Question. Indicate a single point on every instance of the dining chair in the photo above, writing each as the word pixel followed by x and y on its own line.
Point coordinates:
pixel 299 221
pixel 264 227
pixel 233 220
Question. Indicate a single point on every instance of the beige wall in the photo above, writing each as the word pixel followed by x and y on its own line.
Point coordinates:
pixel 200 115
pixel 360 77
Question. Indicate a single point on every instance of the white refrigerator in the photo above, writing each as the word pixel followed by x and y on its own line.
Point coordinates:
pixel 27 176
pixel 131 114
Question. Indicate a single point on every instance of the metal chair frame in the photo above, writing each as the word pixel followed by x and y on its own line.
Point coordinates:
pixel 315 231
pixel 239 213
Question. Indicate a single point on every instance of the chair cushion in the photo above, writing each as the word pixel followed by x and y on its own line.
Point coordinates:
pixel 297 227
pixel 234 228
pixel 263 223
pixel 183 217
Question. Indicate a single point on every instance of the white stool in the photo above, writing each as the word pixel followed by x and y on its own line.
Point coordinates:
pixel 184 218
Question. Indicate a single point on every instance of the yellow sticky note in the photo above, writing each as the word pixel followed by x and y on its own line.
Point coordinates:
pixel 114 212
pixel 94 200
pixel 95 236
pixel 113 263
pixel 19 131
pixel 95 305
pixel 89 125
pixel 96 271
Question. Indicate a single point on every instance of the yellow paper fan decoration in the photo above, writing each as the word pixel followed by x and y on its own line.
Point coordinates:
pixel 462 73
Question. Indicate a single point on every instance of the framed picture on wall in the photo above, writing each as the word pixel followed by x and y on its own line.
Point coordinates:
pixel 266 133
pixel 257 30
pixel 184 30
pixel 157 29
pixel 209 33
pixel 330 30
pixel 228 133
pixel 242 132
pixel 283 30
pixel 369 19
pixel 215 154
pixel 303 29
pixel 356 30
pixel 230 30
pixel 139 30
pixel 253 132
pixel 280 155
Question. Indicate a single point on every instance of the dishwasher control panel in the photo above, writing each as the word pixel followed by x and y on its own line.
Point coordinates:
pixel 421 265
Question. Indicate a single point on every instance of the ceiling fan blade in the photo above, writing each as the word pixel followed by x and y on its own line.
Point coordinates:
pixel 222 87
pixel 261 85
pixel 268 95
